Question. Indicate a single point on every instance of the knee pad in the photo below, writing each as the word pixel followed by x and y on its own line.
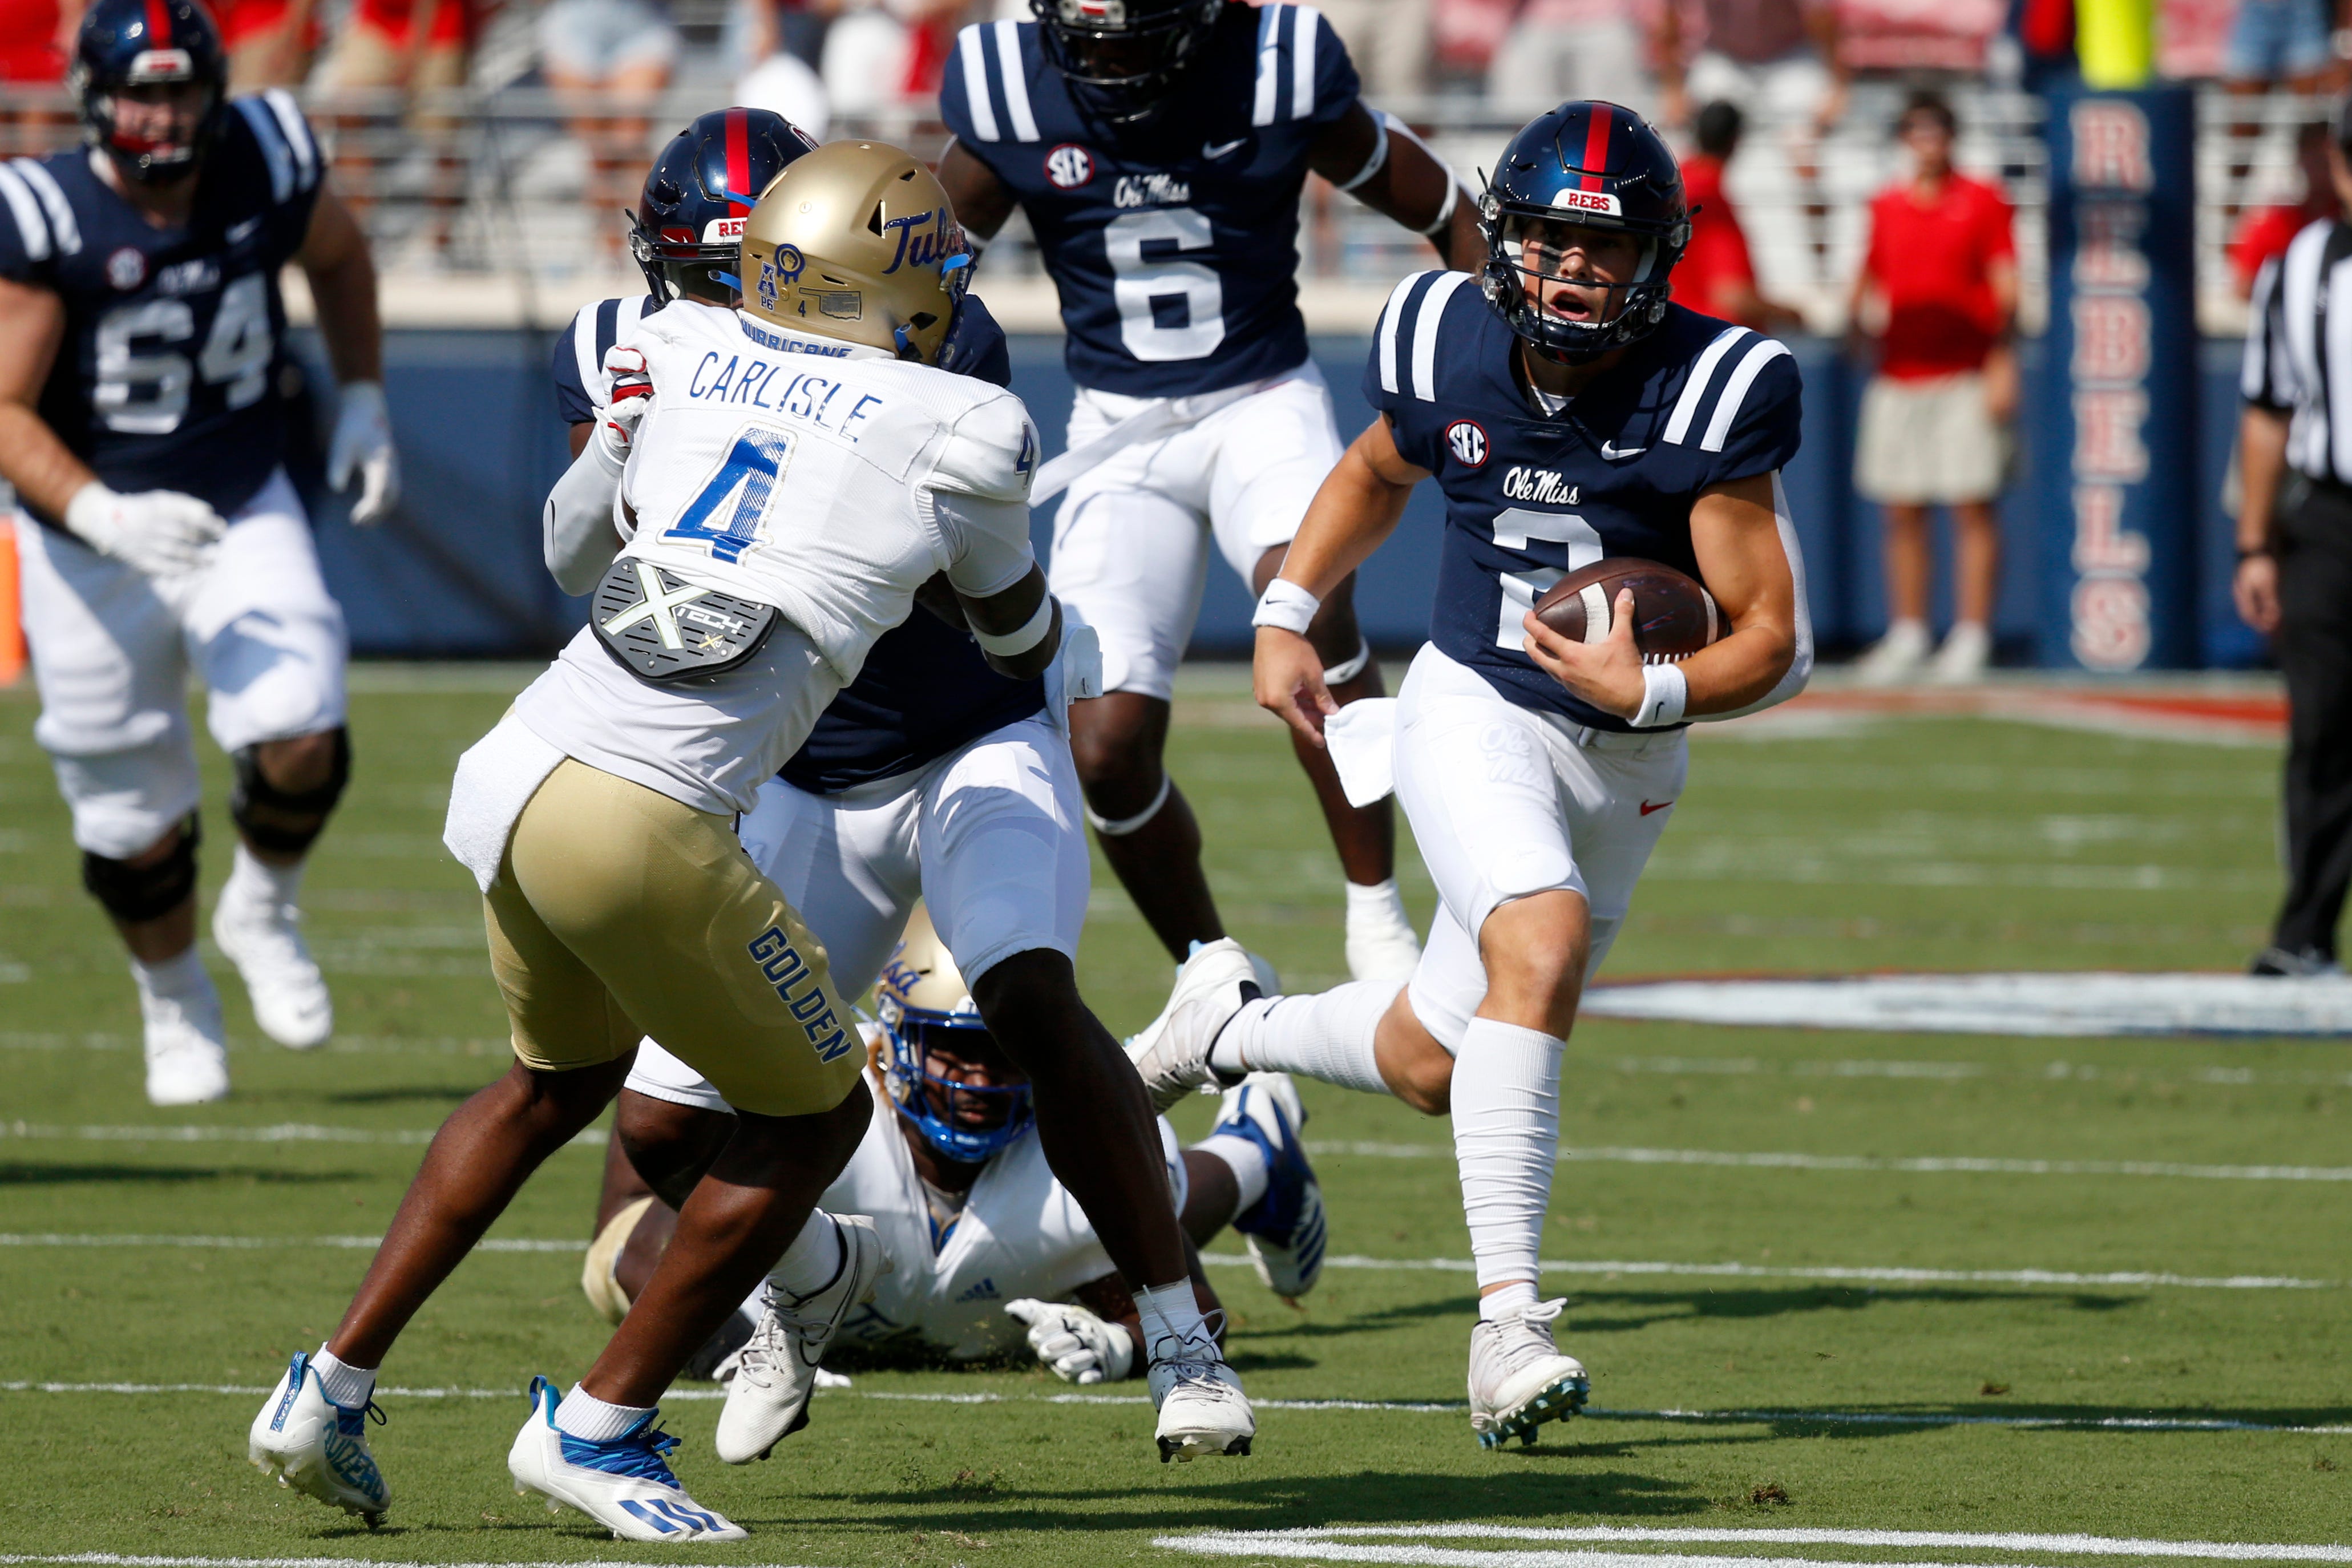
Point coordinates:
pixel 253 788
pixel 133 893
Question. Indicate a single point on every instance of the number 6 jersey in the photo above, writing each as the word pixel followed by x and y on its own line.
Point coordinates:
pixel 166 378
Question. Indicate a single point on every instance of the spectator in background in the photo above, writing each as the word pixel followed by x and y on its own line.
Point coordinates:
pixel 1389 40
pixel 882 54
pixel 1562 49
pixel 2264 233
pixel 2274 42
pixel 1941 265
pixel 611 59
pixel 269 41
pixel 401 46
pixel 1776 56
pixel 782 43
pixel 36 40
pixel 1715 275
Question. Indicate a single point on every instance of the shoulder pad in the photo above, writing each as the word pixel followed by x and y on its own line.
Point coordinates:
pixel 282 137
pixel 1405 350
pixel 991 448
pixel 41 224
pixel 1303 70
pixel 985 94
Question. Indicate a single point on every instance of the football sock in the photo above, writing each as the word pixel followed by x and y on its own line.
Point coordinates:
pixel 1328 1036
pixel 1506 1141
pixel 583 1416
pixel 1245 1160
pixel 1380 906
pixel 349 1386
pixel 1170 1310
pixel 1507 1301
pixel 255 883
pixel 182 980
pixel 814 1260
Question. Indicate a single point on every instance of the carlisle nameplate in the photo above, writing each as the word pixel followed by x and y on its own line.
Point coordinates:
pixel 664 628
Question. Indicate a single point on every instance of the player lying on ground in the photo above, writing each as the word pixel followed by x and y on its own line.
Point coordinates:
pixel 144 424
pixel 931 776
pixel 985 1248
pixel 1159 148
pixel 1569 412
pixel 775 539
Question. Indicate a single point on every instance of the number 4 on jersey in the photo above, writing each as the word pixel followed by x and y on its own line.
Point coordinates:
pixel 746 478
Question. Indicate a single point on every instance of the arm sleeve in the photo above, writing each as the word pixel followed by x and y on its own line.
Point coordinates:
pixel 972 110
pixel 278 138
pixel 1757 423
pixel 26 244
pixel 2266 375
pixel 577 534
pixel 1336 87
pixel 1391 374
pixel 980 495
pixel 976 345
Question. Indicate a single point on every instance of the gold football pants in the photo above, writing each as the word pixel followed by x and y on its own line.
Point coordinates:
pixel 619 912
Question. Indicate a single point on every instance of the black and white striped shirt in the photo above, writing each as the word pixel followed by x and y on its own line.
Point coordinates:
pixel 2299 348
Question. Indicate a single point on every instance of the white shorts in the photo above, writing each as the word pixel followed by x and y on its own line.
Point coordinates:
pixel 1928 442
pixel 112 648
pixel 990 837
pixel 1506 803
pixel 1130 544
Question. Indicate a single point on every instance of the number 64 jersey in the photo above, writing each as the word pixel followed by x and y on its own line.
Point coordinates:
pixel 1531 497
pixel 167 376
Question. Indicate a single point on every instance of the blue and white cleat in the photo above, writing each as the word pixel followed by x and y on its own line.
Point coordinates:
pixel 624 1484
pixel 315 1445
pixel 1285 1229
pixel 1518 1379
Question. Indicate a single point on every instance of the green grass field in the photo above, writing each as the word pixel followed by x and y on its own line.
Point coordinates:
pixel 1754 1401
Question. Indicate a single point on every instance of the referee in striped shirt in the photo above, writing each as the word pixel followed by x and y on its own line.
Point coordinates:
pixel 2294 580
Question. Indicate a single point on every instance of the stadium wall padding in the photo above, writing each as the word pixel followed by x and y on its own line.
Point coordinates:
pixel 458 575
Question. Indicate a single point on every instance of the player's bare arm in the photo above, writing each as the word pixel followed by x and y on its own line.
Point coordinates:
pixel 1003 623
pixel 2262 458
pixel 1736 536
pixel 1392 171
pixel 336 262
pixel 32 458
pixel 1355 510
pixel 980 201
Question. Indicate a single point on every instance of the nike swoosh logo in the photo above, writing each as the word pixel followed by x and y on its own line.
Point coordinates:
pixel 1218 150
pixel 1609 451
pixel 1649 806
pixel 241 231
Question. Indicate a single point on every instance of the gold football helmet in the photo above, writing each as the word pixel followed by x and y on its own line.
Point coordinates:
pixel 857 241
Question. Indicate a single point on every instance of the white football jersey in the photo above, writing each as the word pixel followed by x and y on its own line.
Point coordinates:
pixel 828 480
pixel 1020 1234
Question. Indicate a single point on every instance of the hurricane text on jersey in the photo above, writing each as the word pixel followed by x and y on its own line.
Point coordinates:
pixel 1173 241
pixel 168 374
pixel 1530 498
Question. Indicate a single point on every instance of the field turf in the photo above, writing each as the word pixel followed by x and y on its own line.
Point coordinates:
pixel 132 1357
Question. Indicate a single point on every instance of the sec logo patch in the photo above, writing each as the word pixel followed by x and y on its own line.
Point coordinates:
pixel 1069 166
pixel 126 269
pixel 1468 442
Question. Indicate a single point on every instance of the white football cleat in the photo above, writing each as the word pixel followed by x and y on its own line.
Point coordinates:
pixel 1171 1054
pixel 1518 1379
pixel 774 1374
pixel 1202 1409
pixel 1286 1230
pixel 624 1484
pixel 290 996
pixel 317 1446
pixel 188 1048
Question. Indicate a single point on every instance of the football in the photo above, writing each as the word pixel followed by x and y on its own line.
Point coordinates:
pixel 1674 614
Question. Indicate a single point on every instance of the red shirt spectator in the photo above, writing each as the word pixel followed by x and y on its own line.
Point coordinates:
pixel 2266 233
pixel 1933 261
pixel 28 42
pixel 1715 271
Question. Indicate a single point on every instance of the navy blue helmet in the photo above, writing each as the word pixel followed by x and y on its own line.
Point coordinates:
pixel 928 1013
pixel 689 220
pixel 1122 57
pixel 1595 165
pixel 128 43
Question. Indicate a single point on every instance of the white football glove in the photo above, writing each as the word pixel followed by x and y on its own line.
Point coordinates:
pixel 1077 670
pixel 163 533
pixel 362 444
pixel 1076 1344
pixel 628 393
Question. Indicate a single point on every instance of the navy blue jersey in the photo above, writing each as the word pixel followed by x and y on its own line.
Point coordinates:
pixel 1530 498
pixel 925 689
pixel 167 378
pixel 1174 243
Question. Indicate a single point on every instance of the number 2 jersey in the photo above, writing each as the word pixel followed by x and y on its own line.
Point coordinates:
pixel 168 374
pixel 1531 497
pixel 827 481
pixel 1173 242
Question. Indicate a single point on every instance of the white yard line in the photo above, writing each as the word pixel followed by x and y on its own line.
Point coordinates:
pixel 280 1132
pixel 1354 1543
pixel 1961 1164
pixel 236 1243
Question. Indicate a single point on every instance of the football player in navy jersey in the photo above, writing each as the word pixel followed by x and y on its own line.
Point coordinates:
pixel 142 425
pixel 1158 148
pixel 1569 412
pixel 931 776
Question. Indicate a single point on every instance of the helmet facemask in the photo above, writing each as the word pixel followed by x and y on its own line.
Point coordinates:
pixel 1122 59
pixel 150 160
pixel 964 1121
pixel 1540 273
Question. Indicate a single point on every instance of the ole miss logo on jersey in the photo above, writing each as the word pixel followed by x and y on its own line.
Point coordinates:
pixel 1069 166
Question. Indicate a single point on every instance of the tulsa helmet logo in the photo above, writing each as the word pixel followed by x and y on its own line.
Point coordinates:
pixel 1468 442
pixel 781 267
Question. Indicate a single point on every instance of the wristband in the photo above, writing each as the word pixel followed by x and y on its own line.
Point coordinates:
pixel 1665 691
pixel 1285 605
pixel 1031 632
